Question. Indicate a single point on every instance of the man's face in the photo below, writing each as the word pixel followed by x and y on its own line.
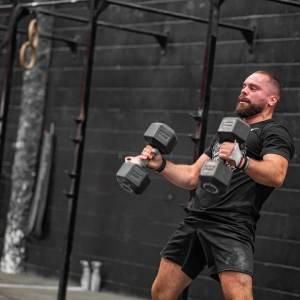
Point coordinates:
pixel 254 95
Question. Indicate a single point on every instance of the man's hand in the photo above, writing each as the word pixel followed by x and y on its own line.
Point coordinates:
pixel 231 153
pixel 153 156
pixel 150 156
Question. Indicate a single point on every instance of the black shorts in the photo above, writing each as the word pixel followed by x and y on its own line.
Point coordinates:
pixel 198 243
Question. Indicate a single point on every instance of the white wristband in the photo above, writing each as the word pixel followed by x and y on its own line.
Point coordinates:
pixel 236 154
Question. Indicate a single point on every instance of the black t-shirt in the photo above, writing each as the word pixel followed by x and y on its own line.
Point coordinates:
pixel 244 197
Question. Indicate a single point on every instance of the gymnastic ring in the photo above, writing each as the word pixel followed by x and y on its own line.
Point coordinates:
pixel 22 55
pixel 33 33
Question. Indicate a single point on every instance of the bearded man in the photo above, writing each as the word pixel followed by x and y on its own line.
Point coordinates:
pixel 219 230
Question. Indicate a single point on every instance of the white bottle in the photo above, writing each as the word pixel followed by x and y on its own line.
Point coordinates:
pixel 96 276
pixel 85 275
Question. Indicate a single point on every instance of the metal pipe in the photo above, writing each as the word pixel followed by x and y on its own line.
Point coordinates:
pixel 287 2
pixel 79 141
pixel 161 38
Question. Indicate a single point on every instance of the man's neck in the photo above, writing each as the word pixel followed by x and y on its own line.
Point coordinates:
pixel 258 118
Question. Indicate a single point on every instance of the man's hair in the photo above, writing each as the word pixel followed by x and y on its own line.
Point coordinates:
pixel 274 80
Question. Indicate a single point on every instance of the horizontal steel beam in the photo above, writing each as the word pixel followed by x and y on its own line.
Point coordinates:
pixel 288 2
pixel 177 15
pixel 161 38
pixel 134 6
pixel 247 32
pixel 8 7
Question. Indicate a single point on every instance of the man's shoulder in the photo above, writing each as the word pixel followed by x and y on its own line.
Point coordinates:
pixel 275 134
pixel 274 126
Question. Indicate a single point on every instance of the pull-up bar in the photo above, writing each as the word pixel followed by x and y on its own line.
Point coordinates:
pixel 287 2
pixel 162 39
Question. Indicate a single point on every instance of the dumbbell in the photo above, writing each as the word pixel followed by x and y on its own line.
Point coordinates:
pixel 215 175
pixel 133 176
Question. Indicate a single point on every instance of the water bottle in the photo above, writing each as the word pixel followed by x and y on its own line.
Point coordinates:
pixel 85 275
pixel 96 276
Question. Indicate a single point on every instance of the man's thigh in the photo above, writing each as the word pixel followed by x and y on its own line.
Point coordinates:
pixel 227 251
pixel 170 280
pixel 236 285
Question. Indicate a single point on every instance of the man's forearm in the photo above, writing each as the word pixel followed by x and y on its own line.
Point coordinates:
pixel 180 175
pixel 184 176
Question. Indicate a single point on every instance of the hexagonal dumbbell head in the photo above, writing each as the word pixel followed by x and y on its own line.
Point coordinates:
pixel 232 129
pixel 215 176
pixel 133 178
pixel 161 137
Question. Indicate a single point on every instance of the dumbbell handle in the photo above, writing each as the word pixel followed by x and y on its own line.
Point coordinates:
pixel 236 154
pixel 138 161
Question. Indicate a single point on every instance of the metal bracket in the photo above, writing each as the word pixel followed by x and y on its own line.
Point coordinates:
pixel 163 42
pixel 250 38
pixel 195 139
pixel 102 6
pixel 197 115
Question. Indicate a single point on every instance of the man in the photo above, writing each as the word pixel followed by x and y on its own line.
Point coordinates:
pixel 218 231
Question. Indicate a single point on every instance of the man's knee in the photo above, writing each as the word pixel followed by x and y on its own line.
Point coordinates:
pixel 169 282
pixel 156 290
pixel 236 285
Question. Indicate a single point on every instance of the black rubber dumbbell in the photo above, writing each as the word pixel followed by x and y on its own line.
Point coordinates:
pixel 133 176
pixel 215 175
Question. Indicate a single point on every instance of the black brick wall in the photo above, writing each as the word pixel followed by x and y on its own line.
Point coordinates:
pixel 134 85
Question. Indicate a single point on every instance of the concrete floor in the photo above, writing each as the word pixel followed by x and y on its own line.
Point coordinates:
pixel 32 287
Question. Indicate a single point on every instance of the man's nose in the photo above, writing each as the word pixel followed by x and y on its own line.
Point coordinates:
pixel 244 90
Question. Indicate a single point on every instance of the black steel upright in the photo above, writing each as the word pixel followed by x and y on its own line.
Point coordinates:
pixel 79 141
pixel 201 115
pixel 9 44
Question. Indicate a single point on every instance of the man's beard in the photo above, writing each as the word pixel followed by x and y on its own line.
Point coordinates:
pixel 247 110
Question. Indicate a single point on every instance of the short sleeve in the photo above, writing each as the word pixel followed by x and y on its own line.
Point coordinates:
pixel 276 139
pixel 209 150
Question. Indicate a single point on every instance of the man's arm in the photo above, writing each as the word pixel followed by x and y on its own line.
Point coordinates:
pixel 270 171
pixel 184 176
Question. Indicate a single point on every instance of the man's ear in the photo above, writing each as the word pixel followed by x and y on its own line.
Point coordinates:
pixel 273 100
